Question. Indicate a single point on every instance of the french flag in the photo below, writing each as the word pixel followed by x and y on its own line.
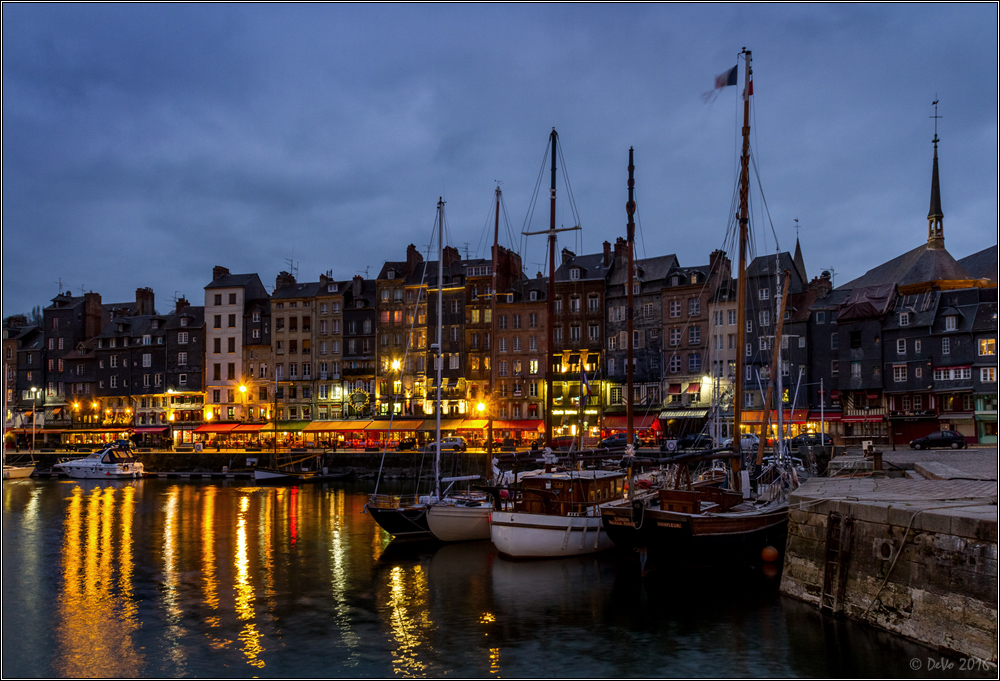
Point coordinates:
pixel 726 78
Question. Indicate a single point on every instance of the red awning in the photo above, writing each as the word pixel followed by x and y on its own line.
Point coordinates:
pixel 250 427
pixel 827 416
pixel 694 388
pixel 834 395
pixel 216 428
pixel 872 394
pixel 397 424
pixel 675 389
pixel 150 430
pixel 518 424
pixel 638 422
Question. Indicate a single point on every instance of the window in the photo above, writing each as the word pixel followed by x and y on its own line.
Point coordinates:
pixel 899 373
pixel 533 367
pixel 231 372
pixel 988 374
pixel 231 344
pixel 855 339
pixel 765 343
pixel 904 318
pixel 574 333
pixel 574 304
pixel 901 346
pixel 182 337
pixel 675 308
pixel 593 303
pixel 732 317
pixel 951 323
pixel 945 346
pixel 675 337
pixel 694 335
pixel 694 307
pixel 232 321
pixel 593 332
pixel 147 359
pixel 763 294
pixel 987 346
pixel 821 317
pixel 675 363
pixel 764 317
pixel 217 321
pixel 834 367
pixel 574 273
pixel 694 362
pixel 855 369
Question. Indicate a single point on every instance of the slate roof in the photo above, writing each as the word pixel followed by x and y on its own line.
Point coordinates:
pixel 591 267
pixel 306 289
pixel 232 280
pixel 982 265
pixel 922 264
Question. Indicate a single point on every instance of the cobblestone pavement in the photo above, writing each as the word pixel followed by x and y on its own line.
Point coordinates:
pixel 973 463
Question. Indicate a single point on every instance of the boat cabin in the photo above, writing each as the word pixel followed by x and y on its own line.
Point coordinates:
pixel 568 493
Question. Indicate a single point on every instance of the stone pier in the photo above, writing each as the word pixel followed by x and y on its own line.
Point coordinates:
pixel 913 555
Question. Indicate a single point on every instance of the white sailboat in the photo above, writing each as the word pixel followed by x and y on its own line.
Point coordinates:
pixel 555 512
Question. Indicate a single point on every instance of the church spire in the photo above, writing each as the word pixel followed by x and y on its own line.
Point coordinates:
pixel 935 217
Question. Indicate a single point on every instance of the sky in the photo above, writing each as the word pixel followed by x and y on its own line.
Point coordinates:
pixel 144 144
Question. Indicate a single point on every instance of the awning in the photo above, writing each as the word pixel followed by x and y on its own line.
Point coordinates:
pixel 872 394
pixel 953 415
pixel 827 416
pixel 252 427
pixel 834 395
pixel 789 416
pixel 216 428
pixel 674 389
pixel 639 422
pixel 446 424
pixel 684 414
pixel 150 430
pixel 476 424
pixel 345 425
pixel 292 426
pixel 519 424
pixel 694 388
pixel 397 424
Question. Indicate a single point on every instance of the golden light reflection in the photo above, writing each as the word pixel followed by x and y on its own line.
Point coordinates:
pixel 249 636
pixel 409 619
pixel 210 582
pixel 98 613
pixel 339 578
pixel 495 661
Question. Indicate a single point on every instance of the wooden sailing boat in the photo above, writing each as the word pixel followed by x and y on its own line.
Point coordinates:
pixel 678 523
pixel 555 512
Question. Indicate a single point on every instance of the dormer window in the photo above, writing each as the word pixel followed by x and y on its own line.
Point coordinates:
pixel 904 318
pixel 156 323
pixel 951 323
pixel 574 273
pixel 674 280
pixel 533 295
pixel 331 288
pixel 694 278
pixel 184 321
pixel 391 274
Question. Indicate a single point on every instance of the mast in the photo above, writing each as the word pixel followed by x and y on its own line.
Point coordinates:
pixel 551 302
pixel 437 349
pixel 775 370
pixel 493 326
pixel 629 314
pixel 741 278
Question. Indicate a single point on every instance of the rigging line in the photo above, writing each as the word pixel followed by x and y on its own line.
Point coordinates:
pixel 534 194
pixel 756 171
pixel 569 189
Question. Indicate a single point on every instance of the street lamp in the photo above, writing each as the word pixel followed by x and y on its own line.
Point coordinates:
pixel 34 415
pixel 243 396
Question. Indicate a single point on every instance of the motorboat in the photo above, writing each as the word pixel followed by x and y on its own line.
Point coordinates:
pixel 116 460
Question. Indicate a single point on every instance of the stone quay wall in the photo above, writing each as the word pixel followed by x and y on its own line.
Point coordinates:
pixel 914 557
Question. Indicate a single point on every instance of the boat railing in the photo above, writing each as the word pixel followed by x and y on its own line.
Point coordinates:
pixel 392 500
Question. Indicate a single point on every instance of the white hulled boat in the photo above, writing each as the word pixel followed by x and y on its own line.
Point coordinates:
pixel 117 460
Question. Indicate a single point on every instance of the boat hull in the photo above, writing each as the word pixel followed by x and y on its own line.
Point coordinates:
pixel 669 539
pixel 535 535
pixel 84 470
pixel 403 522
pixel 278 476
pixel 459 522
pixel 17 472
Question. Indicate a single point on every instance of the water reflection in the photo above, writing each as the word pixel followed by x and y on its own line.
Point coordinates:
pixel 98 612
pixel 179 579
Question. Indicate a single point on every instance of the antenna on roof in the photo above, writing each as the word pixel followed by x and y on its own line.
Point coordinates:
pixel 60 284
pixel 466 246
pixel 293 267
pixel 833 274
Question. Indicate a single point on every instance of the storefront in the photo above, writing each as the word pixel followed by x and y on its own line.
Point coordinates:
pixel 646 426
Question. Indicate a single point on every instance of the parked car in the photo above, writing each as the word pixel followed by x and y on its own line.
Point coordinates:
pixel 748 441
pixel 939 439
pixel 695 441
pixel 457 444
pixel 618 440
pixel 811 439
pixel 406 443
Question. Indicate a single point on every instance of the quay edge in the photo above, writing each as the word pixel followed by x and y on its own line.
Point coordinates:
pixel 911 556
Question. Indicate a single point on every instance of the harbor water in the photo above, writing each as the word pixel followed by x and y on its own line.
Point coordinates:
pixel 170 578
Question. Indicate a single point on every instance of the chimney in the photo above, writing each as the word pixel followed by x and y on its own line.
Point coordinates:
pixel 283 279
pixel 219 271
pixel 144 301
pixel 450 255
pixel 182 302
pixel 607 254
pixel 358 285
pixel 567 255
pixel 93 314
pixel 413 258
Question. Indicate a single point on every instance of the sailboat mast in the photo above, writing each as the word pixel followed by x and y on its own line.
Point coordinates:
pixel 493 323
pixel 775 372
pixel 551 302
pixel 629 314
pixel 437 350
pixel 741 285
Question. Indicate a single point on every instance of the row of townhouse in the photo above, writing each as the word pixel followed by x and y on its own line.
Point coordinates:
pixel 907 348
